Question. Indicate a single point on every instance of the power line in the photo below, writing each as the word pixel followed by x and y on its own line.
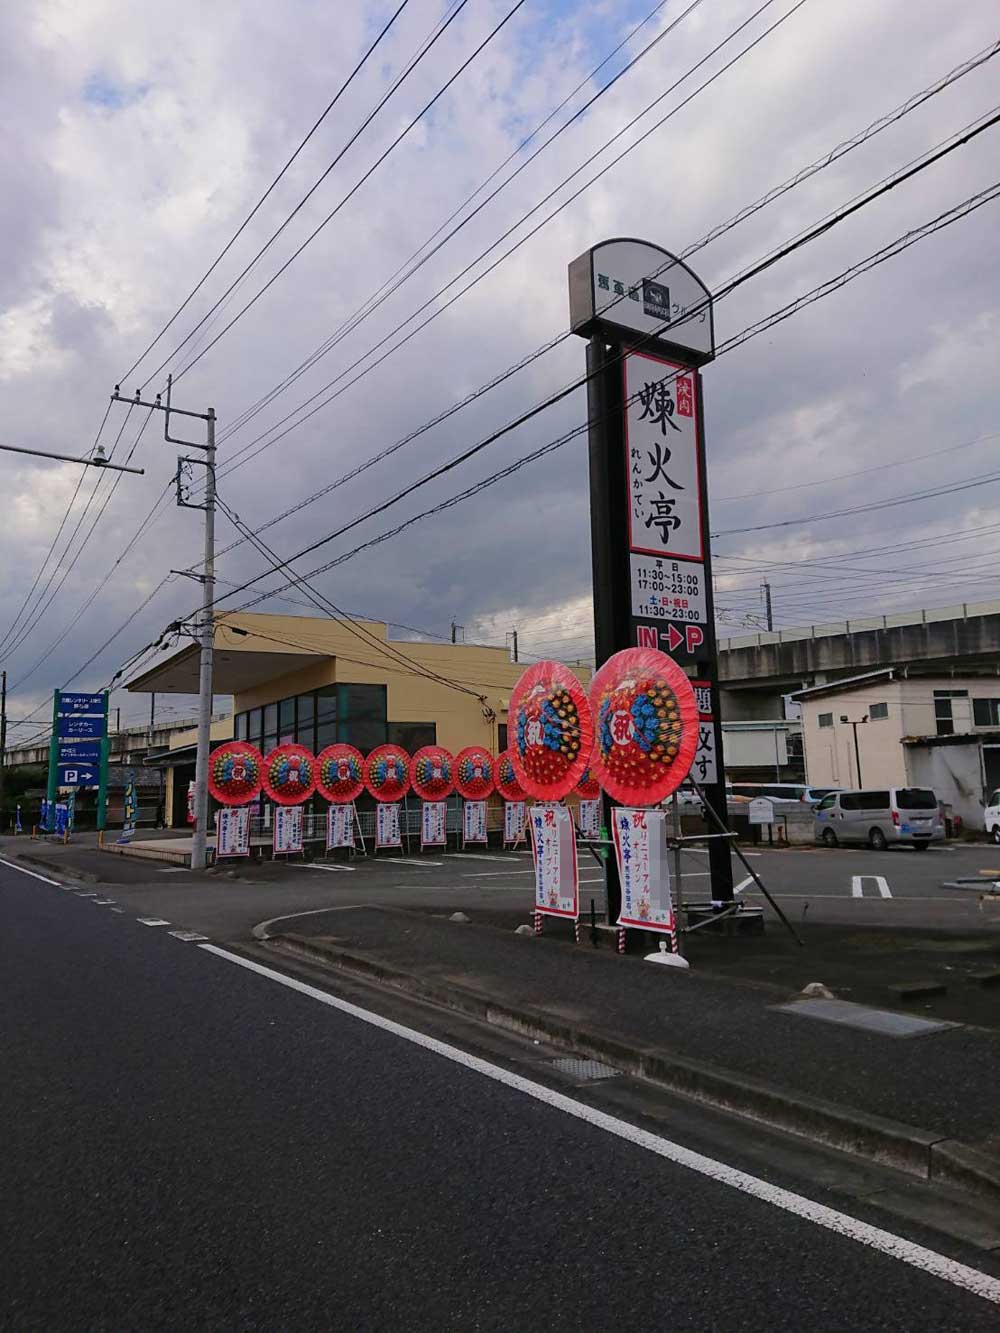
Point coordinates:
pixel 264 197
pixel 887 252
pixel 804 173
pixel 353 190
pixel 231 463
pixel 391 285
pixel 781 253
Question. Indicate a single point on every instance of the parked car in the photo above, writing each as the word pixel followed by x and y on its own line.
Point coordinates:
pixel 991 817
pixel 880 817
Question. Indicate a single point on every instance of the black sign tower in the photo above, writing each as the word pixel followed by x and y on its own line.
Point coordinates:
pixel 648 321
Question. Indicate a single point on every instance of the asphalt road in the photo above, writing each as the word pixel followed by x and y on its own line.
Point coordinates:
pixel 189 1143
pixel 896 889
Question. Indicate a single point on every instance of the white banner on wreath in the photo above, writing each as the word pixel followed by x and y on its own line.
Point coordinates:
pixel 287 829
pixel 474 822
pixel 387 832
pixel 340 826
pixel 513 823
pixel 553 844
pixel 641 852
pixel 590 818
pixel 232 831
pixel 433 824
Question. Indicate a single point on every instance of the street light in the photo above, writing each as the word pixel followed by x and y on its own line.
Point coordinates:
pixel 857 751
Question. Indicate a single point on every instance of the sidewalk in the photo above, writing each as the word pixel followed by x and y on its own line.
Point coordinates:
pixel 913 1101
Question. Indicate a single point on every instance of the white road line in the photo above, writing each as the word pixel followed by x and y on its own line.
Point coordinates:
pixel 33 873
pixel 188 936
pixel 260 931
pixel 151 921
pixel 743 884
pixel 474 856
pixel 104 902
pixel 842 1224
pixel 857 889
pixel 332 868
pixel 405 861
pixel 496 874
pixel 119 910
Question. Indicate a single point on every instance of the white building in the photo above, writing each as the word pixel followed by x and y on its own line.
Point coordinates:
pixel 897 728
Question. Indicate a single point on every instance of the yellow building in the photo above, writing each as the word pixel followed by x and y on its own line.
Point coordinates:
pixel 317 681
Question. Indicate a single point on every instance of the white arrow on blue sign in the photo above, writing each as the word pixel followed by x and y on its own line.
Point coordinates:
pixel 75 775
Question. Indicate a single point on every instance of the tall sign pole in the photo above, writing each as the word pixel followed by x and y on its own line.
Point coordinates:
pixel 648 321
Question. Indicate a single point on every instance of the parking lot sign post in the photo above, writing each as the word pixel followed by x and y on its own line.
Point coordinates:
pixel 649 324
pixel 78 749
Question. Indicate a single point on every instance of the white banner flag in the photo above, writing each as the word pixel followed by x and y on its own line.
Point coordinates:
pixel 474 822
pixel 232 831
pixel 287 829
pixel 433 826
pixel 387 832
pixel 513 823
pixel 590 818
pixel 641 852
pixel 339 826
pixel 553 843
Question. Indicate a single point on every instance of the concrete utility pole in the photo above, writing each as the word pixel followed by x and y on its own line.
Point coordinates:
pixel 206 627
pixel 766 588
pixel 3 739
pixel 857 748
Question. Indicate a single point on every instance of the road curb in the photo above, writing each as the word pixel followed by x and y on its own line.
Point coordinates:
pixel 58 867
pixel 918 1152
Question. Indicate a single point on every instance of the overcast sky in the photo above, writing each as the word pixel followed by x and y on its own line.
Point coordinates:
pixel 137 138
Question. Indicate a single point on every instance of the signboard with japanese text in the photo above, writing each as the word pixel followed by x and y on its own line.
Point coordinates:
pixel 641 852
pixel 232 827
pixel 433 824
pixel 387 826
pixel 340 826
pixel 288 826
pixel 73 728
pixel 474 822
pixel 635 287
pixel 513 823
pixel 81 703
pixel 79 752
pixel 661 449
pixel 590 819
pixel 553 845
pixel 129 809
pixel 704 769
pixel 76 775
pixel 668 589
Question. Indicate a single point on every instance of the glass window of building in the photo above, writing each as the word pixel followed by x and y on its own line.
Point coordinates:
pixel 286 719
pixel 326 717
pixel 240 726
pixel 412 736
pixel 269 742
pixel 361 715
pixel 255 727
pixel 270 719
pixel 305 731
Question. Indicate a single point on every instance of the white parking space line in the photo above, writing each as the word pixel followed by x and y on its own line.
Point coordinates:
pixel 475 856
pixel 151 921
pixel 743 884
pixel 842 1224
pixel 334 870
pixel 495 874
pixel 406 861
pixel 188 936
pixel 857 888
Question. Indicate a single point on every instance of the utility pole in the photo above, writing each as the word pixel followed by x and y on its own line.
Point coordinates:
pixel 206 627
pixel 513 634
pixel 857 748
pixel 454 632
pixel 766 588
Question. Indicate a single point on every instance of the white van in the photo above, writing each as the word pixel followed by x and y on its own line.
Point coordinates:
pixel 880 817
pixel 991 817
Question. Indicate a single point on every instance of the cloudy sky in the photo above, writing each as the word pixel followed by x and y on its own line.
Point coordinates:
pixel 138 138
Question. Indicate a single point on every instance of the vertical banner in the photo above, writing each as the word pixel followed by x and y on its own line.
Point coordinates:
pixel 287 838
pixel 433 824
pixel 641 852
pixel 340 826
pixel 553 843
pixel 128 810
pixel 62 818
pixel 43 818
pixel 474 822
pixel 590 819
pixel 17 820
pixel 232 828
pixel 387 830
pixel 190 803
pixel 70 810
pixel 513 823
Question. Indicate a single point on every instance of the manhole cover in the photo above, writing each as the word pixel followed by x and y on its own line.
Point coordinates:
pixel 848 1014
pixel 577 1068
